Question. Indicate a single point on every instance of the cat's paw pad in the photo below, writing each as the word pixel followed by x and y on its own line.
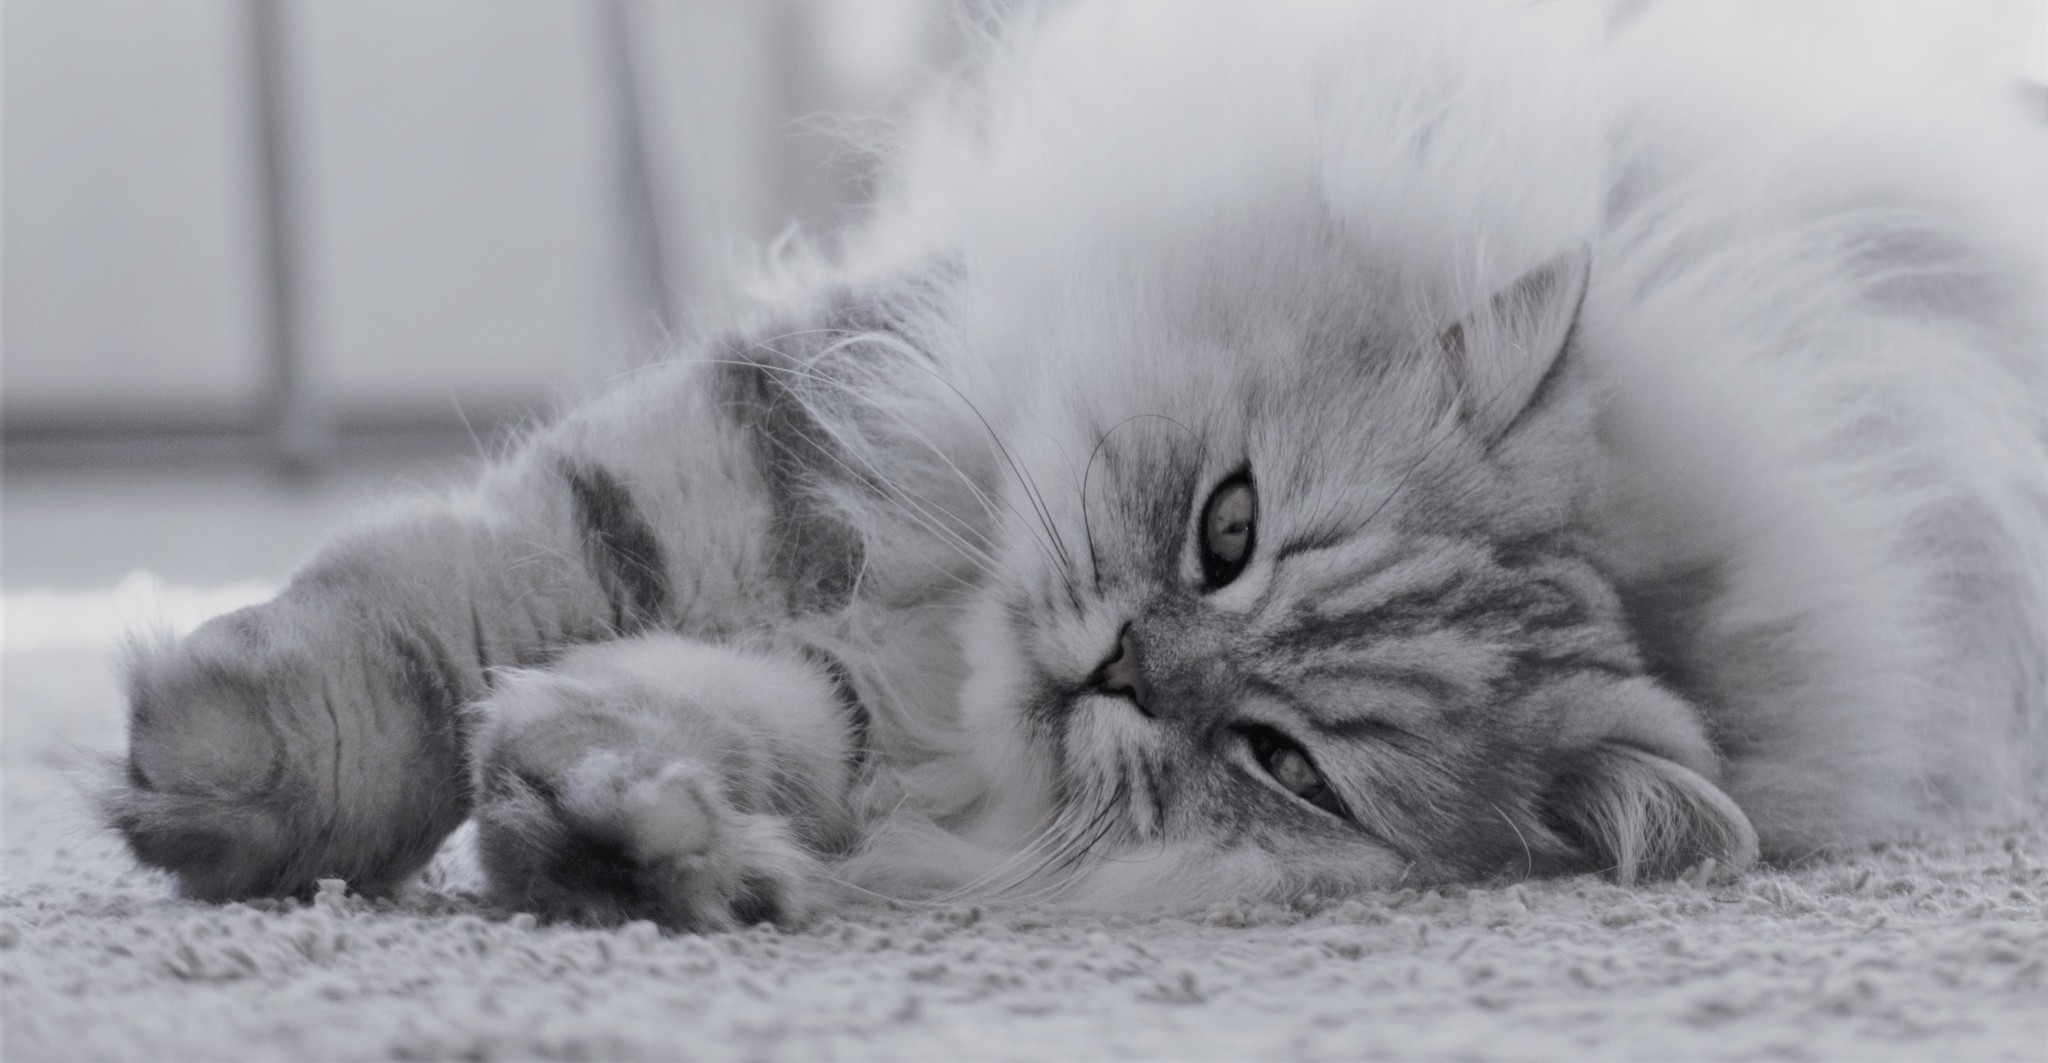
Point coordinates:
pixel 610 841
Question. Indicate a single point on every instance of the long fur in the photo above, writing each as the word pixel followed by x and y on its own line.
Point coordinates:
pixel 1649 401
pixel 1819 324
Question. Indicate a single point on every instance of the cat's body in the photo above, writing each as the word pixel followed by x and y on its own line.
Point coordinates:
pixel 1256 449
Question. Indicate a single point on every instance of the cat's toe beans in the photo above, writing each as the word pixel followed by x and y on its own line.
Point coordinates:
pixel 764 898
pixel 668 816
pixel 613 840
pixel 729 890
pixel 772 879
pixel 706 866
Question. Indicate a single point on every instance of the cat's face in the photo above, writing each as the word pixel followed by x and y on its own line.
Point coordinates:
pixel 1301 608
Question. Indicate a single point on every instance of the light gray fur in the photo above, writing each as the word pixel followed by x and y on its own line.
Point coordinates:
pixel 1651 473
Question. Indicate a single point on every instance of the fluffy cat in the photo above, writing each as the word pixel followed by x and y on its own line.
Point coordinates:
pixel 1253 448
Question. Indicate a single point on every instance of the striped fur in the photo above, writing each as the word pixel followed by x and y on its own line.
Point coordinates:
pixel 1650 473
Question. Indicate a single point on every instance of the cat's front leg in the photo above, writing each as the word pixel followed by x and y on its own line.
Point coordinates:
pixel 700 786
pixel 327 733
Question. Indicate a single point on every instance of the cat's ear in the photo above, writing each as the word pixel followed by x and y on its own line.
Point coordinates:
pixel 1501 355
pixel 1640 815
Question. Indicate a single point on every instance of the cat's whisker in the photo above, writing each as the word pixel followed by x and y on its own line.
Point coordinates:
pixel 925 905
pixel 1046 835
pixel 1449 430
pixel 1052 840
pixel 914 506
pixel 1064 563
pixel 827 424
pixel 1086 849
pixel 988 503
pixel 1050 542
pixel 1065 840
pixel 917 508
pixel 1087 525
pixel 1528 854
pixel 1037 499
pixel 1084 843
pixel 1053 543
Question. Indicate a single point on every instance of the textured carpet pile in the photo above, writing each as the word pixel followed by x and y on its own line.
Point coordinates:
pixel 1937 950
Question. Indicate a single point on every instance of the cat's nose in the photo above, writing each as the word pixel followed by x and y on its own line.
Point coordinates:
pixel 1123 673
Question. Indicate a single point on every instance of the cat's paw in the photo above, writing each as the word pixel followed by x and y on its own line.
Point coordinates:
pixel 616 838
pixel 255 768
pixel 661 778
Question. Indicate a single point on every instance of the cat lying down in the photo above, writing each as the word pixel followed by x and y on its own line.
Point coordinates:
pixel 1251 449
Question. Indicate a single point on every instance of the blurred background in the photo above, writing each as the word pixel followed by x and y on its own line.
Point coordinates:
pixel 265 258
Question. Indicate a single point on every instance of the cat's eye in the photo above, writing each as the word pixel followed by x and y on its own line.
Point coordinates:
pixel 1287 763
pixel 1229 529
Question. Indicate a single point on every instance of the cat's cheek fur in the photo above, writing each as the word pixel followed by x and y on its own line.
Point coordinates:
pixel 991 698
pixel 1588 710
pixel 1640 795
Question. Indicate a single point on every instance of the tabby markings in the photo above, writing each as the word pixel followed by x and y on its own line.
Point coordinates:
pixel 859 721
pixel 816 554
pixel 620 547
pixel 427 675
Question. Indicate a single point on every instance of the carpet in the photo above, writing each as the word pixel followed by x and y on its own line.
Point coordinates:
pixel 1936 950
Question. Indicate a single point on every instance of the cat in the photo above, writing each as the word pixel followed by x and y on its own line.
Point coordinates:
pixel 1251 449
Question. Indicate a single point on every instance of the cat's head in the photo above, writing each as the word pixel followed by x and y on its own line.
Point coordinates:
pixel 1289 600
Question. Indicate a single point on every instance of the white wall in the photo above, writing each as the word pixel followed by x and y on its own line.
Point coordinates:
pixel 457 178
pixel 128 250
pixel 458 185
pixel 460 223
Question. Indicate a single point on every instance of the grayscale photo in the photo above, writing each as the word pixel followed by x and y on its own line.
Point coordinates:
pixel 1024 529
